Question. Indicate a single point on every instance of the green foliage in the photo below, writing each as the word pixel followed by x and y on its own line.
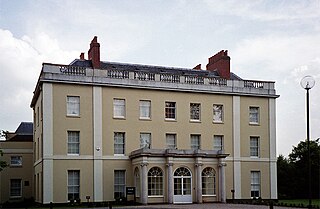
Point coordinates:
pixel 3 164
pixel 293 172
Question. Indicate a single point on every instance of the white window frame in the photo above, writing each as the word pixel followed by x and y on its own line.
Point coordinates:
pixel 73 184
pixel 119 108
pixel 254 146
pixel 169 110
pixel 73 139
pixel 145 140
pixel 218 142
pixel 255 183
pixel 254 115
pixel 145 109
pixel 118 143
pixel 169 138
pixel 155 182
pixel 195 112
pixel 119 186
pixel 217 110
pixel 195 141
pixel 208 176
pixel 16 161
pixel 17 188
pixel 73 106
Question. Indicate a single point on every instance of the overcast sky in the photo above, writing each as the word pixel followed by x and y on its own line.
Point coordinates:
pixel 271 40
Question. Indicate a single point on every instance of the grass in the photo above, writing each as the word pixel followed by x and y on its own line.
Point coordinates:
pixel 305 202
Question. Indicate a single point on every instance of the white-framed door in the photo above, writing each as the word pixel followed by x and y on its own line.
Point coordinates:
pixel 182 181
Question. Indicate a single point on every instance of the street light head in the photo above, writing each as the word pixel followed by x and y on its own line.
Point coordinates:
pixel 307 82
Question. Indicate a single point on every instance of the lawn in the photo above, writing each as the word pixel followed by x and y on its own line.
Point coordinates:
pixel 305 202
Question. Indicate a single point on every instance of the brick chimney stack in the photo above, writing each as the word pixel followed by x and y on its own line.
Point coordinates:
pixel 82 56
pixel 198 67
pixel 220 62
pixel 94 53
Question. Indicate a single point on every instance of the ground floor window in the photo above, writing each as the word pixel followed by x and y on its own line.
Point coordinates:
pixel 255 184
pixel 15 188
pixel 119 184
pixel 155 182
pixel 208 181
pixel 73 185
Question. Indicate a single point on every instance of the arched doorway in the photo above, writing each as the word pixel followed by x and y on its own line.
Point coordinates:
pixel 182 186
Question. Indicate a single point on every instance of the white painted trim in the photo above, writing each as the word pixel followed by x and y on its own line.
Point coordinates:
pixel 47 142
pixel 273 149
pixel 249 159
pixel 236 147
pixel 97 145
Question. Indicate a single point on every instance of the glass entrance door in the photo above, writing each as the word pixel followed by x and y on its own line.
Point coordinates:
pixel 182 186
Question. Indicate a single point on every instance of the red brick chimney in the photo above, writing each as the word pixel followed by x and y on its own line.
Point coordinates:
pixel 82 56
pixel 94 53
pixel 220 62
pixel 198 67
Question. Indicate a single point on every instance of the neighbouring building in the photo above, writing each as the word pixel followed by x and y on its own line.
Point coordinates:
pixel 177 135
pixel 16 180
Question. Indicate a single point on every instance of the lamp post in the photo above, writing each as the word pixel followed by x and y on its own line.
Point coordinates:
pixel 307 83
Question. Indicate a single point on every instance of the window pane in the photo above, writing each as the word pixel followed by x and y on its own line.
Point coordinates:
pixel 73 142
pixel 170 110
pixel 171 141
pixel 119 143
pixel 255 183
pixel 119 184
pixel 218 142
pixel 194 111
pixel 15 188
pixel 16 161
pixel 119 108
pixel 195 142
pixel 155 182
pixel 254 114
pixel 145 109
pixel 73 105
pixel 217 113
pixel 254 146
pixel 145 140
pixel 73 184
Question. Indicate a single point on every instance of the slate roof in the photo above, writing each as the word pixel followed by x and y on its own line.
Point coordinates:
pixel 150 68
pixel 25 128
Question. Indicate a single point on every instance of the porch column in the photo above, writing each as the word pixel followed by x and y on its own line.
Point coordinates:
pixel 199 181
pixel 170 182
pixel 222 180
pixel 144 183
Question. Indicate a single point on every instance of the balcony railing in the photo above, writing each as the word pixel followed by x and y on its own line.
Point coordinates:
pixel 246 86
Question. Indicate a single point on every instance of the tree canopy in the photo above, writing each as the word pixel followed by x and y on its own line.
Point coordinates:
pixel 293 171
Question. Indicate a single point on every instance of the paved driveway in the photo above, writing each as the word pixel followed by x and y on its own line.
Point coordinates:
pixel 204 206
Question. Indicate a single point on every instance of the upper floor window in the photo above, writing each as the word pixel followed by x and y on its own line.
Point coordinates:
pixel 255 184
pixel 74 142
pixel 119 143
pixel 145 140
pixel 171 141
pixel 145 109
pixel 119 108
pixel 170 110
pixel 73 105
pixel 217 113
pixel 254 115
pixel 16 161
pixel 195 141
pixel 254 146
pixel 217 142
pixel 195 111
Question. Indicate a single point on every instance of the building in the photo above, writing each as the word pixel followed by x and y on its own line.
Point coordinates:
pixel 176 135
pixel 16 180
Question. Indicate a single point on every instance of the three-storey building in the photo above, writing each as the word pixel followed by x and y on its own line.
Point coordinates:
pixel 176 135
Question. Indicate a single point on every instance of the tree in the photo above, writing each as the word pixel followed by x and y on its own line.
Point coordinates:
pixel 3 164
pixel 293 172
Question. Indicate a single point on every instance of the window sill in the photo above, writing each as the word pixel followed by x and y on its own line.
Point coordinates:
pixel 217 122
pixel 156 196
pixel 195 121
pixel 145 119
pixel 209 195
pixel 73 116
pixel 170 120
pixel 254 124
pixel 119 118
